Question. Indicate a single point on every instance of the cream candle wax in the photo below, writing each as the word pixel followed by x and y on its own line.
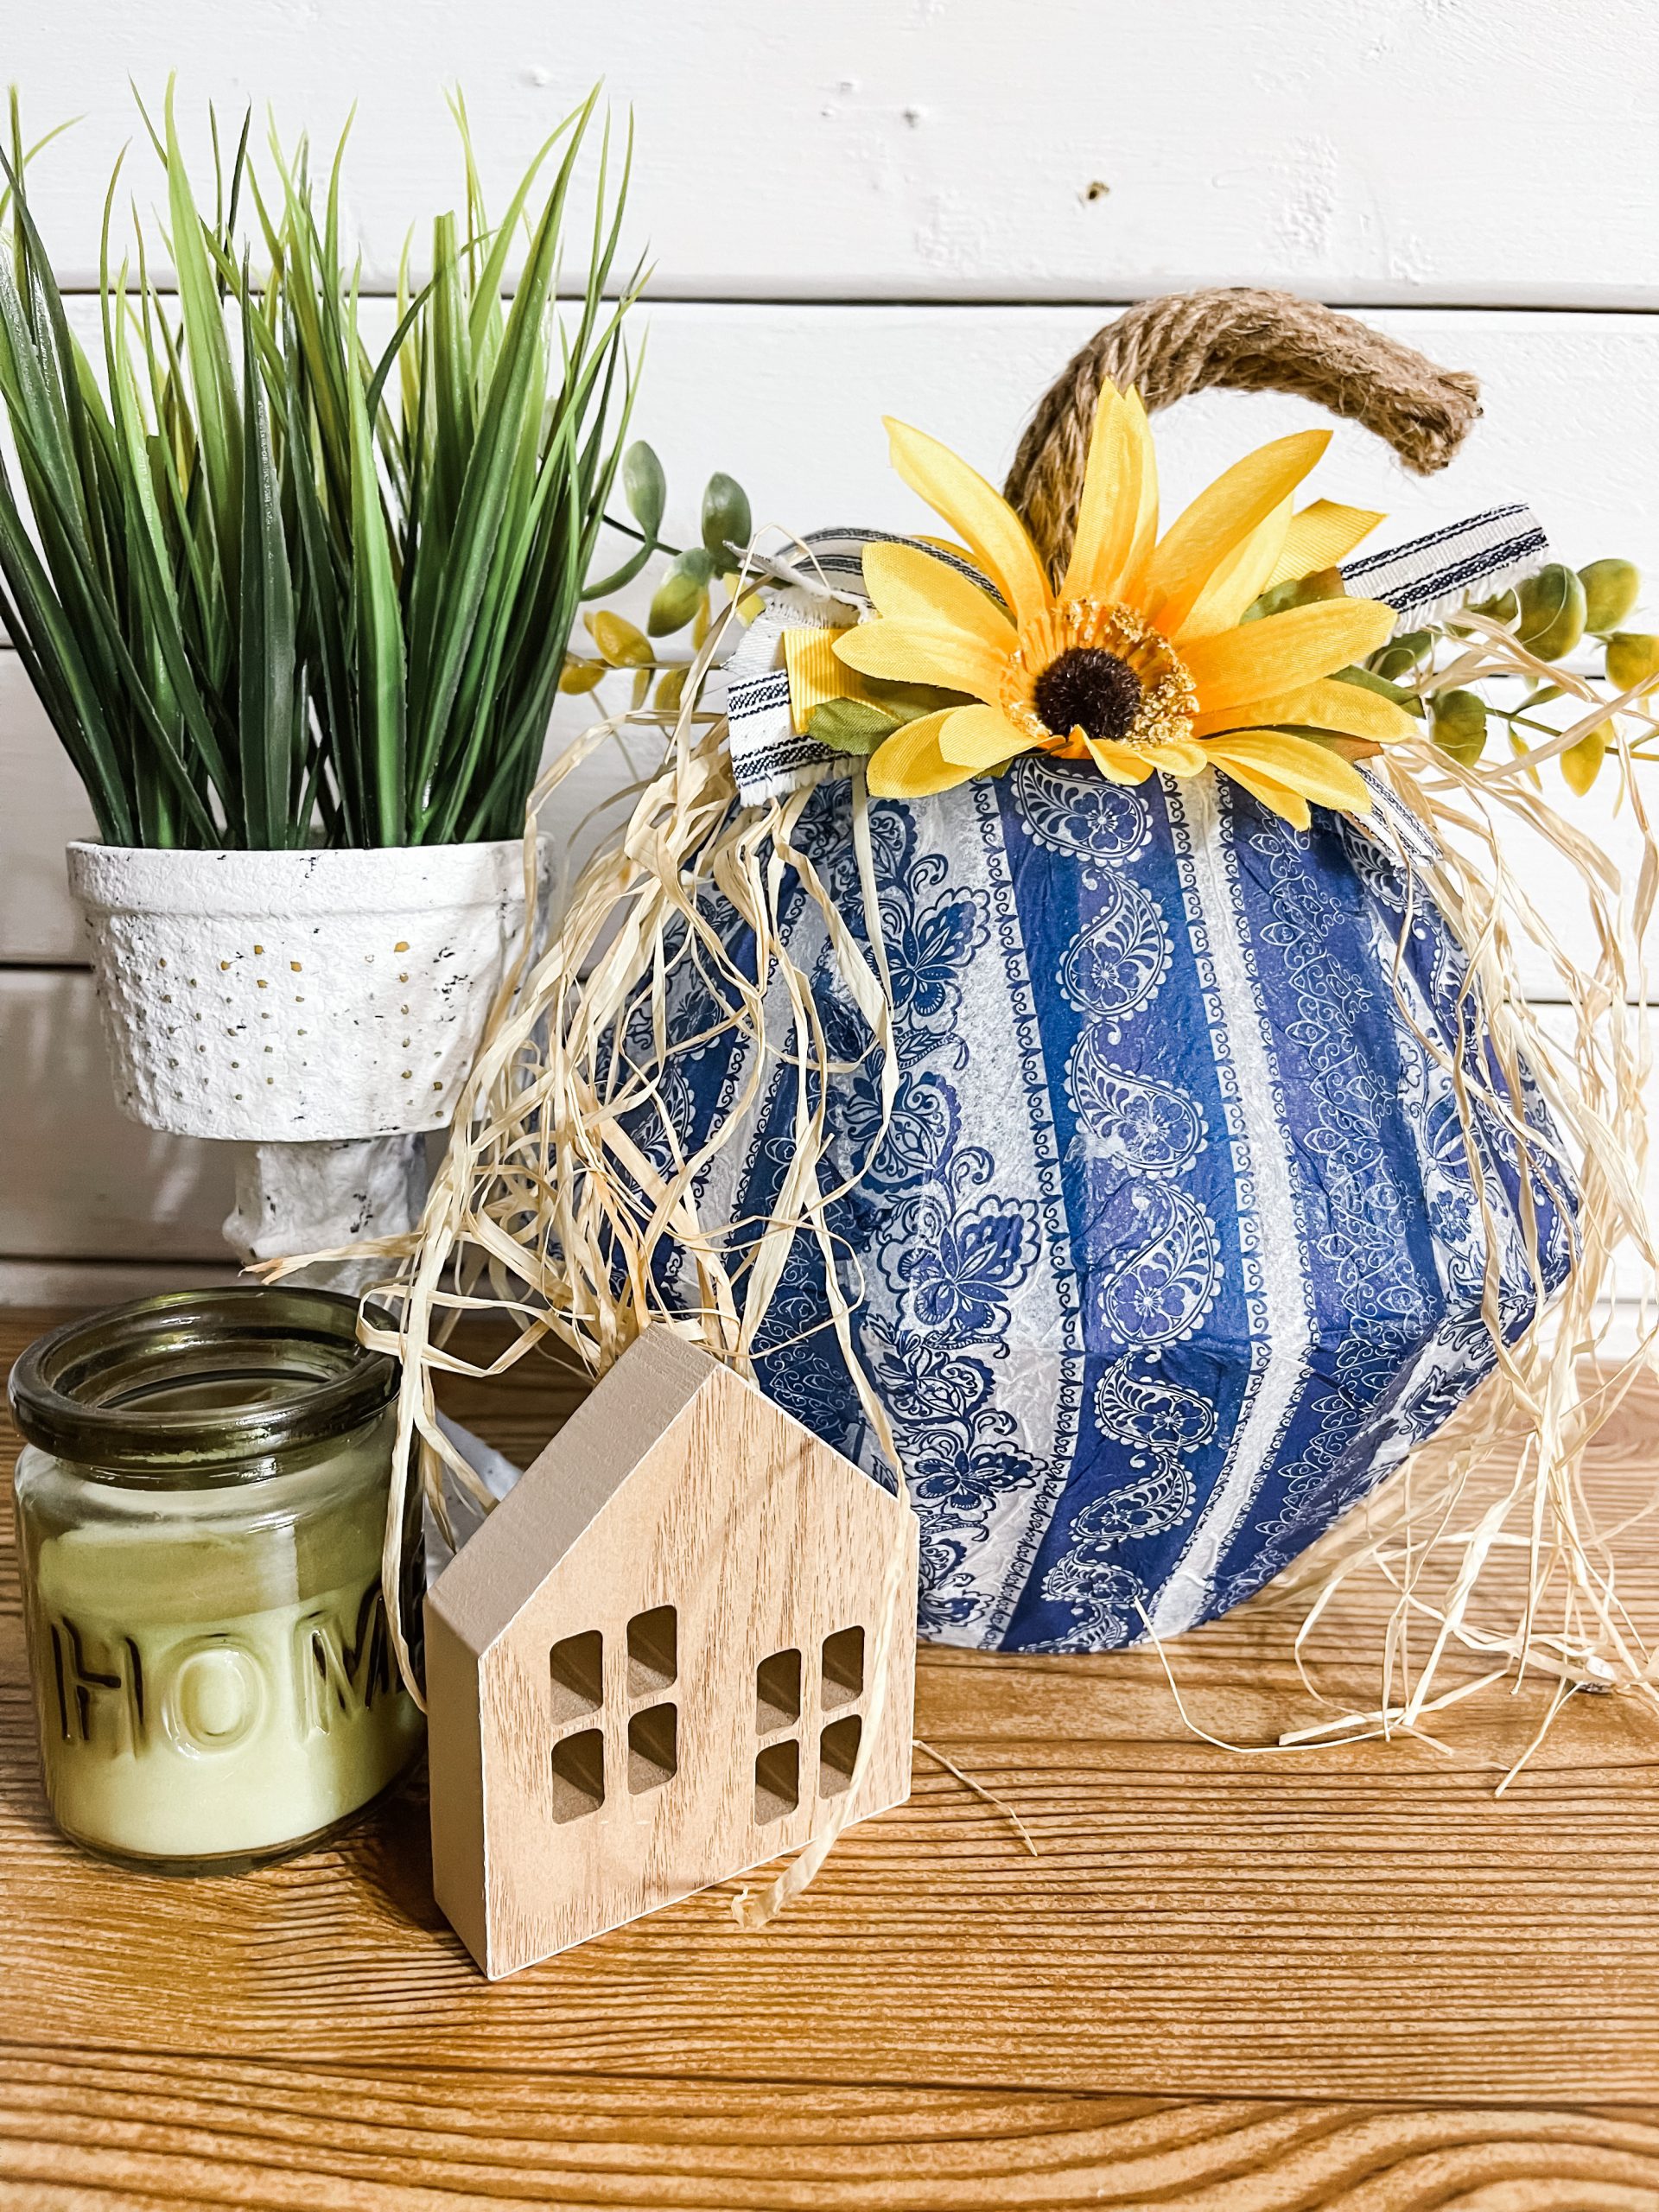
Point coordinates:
pixel 200 1514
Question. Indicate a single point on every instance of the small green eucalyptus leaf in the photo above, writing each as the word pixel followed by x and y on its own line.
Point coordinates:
pixel 1609 593
pixel 1581 763
pixel 618 640
pixel 1504 608
pixel 643 486
pixel 1552 612
pixel 671 689
pixel 680 594
pixel 850 725
pixel 1368 680
pixel 907 703
pixel 1461 725
pixel 1632 657
pixel 725 519
pixel 1401 656
pixel 578 676
pixel 1296 591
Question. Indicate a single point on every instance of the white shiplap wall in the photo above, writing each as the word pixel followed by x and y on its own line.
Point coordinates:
pixel 895 206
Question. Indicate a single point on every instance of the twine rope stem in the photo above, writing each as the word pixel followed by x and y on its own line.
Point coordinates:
pixel 1245 340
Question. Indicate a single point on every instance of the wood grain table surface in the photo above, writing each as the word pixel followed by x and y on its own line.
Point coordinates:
pixel 1247 1982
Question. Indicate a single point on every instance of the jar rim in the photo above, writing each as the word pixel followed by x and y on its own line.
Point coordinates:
pixel 55 1385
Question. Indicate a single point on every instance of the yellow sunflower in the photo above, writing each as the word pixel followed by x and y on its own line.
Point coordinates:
pixel 1141 659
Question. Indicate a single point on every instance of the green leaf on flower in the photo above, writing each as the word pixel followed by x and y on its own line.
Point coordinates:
pixel 1369 681
pixel 1296 591
pixel 851 726
pixel 906 702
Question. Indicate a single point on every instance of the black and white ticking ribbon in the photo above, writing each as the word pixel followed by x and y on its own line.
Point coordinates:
pixel 1434 575
pixel 822 587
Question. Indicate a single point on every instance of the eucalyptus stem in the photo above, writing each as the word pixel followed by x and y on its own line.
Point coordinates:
pixel 651 542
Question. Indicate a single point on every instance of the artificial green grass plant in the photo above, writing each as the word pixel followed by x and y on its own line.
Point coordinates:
pixel 280 591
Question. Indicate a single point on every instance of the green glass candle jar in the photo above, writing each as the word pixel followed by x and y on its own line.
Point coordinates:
pixel 201 1505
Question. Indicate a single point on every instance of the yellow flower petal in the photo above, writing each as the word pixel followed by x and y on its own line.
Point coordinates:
pixel 995 535
pixel 1328 704
pixel 1239 500
pixel 1109 507
pixel 1240 578
pixel 1132 764
pixel 816 676
pixel 1277 798
pixel 909 765
pixel 925 653
pixel 912 586
pixel 1180 757
pixel 1117 515
pixel 1323 534
pixel 1296 763
pixel 1144 473
pixel 1285 652
pixel 979 738
pixel 1117 762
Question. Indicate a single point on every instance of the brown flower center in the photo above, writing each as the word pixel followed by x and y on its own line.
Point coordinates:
pixel 1083 665
pixel 1088 688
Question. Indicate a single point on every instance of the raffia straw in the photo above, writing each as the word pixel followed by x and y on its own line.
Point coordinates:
pixel 547 1213
pixel 979 1790
pixel 1568 1623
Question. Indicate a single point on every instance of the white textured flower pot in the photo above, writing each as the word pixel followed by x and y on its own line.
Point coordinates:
pixel 296 996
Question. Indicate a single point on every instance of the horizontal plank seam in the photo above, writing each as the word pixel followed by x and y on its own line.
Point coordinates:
pixel 582 2078
pixel 1408 300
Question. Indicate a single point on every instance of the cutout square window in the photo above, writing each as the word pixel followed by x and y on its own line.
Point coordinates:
pixel 838 1754
pixel 653 1748
pixel 776 1781
pixel 654 1651
pixel 776 1692
pixel 843 1667
pixel 578 1774
pixel 577 1665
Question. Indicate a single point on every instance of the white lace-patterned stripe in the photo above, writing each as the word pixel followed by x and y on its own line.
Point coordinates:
pixel 1050 1305
pixel 719 1188
pixel 1037 1368
pixel 1185 1596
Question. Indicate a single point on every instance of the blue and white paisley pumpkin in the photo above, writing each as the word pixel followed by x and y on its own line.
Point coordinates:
pixel 1170 1252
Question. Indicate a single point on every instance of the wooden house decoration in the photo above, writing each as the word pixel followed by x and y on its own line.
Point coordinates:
pixel 683 1645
